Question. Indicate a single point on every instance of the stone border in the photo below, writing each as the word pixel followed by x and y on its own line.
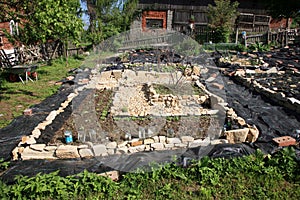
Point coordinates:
pixel 29 149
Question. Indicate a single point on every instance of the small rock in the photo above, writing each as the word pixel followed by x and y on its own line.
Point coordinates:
pixel 180 145
pixel 67 151
pixel 123 144
pixel 155 138
pixel 28 140
pixel 218 86
pixel 27 112
pixel 86 153
pixel 51 116
pixel 272 70
pixel 122 150
pixel 113 175
pixel 29 154
pixel 241 121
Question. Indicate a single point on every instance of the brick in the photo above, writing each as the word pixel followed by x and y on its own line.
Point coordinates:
pixel 284 141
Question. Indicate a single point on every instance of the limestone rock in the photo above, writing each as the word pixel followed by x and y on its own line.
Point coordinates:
pixel 186 139
pixel 237 136
pixel 162 139
pixel 148 141
pixel 67 151
pixel 157 146
pixel 99 149
pixel 253 134
pixel 241 121
pixel 29 154
pixel 173 140
pixel 111 145
pixel 86 153
pixel 38 147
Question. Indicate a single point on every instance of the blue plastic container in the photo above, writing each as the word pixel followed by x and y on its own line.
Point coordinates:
pixel 68 137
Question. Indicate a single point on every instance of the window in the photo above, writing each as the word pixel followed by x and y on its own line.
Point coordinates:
pixel 154 23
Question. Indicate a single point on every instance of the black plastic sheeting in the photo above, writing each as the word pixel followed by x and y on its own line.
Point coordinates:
pixel 272 121
pixel 23 125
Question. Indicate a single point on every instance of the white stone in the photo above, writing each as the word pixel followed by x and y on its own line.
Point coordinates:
pixel 168 146
pixel 111 151
pixel 83 146
pixel 162 139
pixel 99 149
pixel 36 133
pixel 111 145
pixel 218 141
pixel 148 141
pixel 51 116
pixel 155 138
pixel 186 139
pixel 38 147
pixel 123 144
pixel 157 146
pixel 67 151
pixel 181 145
pixel 173 140
pixel 86 153
pixel 50 148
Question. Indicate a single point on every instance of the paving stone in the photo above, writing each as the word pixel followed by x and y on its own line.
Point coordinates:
pixel 38 147
pixel 169 146
pixel 186 139
pixel 136 143
pixel 67 151
pixel 86 153
pixel 99 149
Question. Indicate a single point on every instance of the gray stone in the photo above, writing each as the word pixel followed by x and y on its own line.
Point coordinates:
pixel 181 145
pixel 38 147
pixel 99 149
pixel 67 151
pixel 86 153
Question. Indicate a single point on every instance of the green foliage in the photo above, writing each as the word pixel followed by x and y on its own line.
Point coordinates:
pixel 221 19
pixel 254 176
pixel 44 20
pixel 108 18
pixel 258 46
pixel 3 165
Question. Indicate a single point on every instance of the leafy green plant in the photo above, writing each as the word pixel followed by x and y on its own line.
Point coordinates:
pixel 258 46
pixel 3 165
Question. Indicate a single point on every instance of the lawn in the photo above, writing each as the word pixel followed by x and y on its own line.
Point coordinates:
pixel 15 97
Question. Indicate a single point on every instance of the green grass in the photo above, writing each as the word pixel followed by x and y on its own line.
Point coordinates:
pixel 15 97
pixel 249 177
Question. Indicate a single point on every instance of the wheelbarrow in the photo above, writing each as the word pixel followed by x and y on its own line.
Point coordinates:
pixel 17 71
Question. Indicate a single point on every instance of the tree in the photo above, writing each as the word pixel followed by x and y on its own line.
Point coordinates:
pixel 109 17
pixel 43 20
pixel 222 18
